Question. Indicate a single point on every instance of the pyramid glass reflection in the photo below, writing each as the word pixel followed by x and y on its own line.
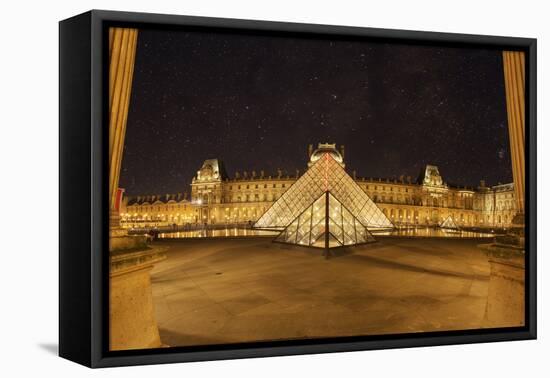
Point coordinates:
pixel 326 223
pixel 324 175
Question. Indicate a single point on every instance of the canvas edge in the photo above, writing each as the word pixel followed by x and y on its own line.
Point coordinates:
pixel 75 275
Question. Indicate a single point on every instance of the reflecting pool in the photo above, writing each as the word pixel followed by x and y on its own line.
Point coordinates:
pixel 405 232
pixel 434 233
pixel 226 232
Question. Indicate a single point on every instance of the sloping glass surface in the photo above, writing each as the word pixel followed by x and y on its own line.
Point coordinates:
pixel 311 227
pixel 326 174
pixel 449 223
pixel 300 230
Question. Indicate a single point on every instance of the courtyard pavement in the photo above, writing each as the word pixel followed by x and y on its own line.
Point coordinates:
pixel 237 290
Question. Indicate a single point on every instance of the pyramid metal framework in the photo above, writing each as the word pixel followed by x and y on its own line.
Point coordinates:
pixel 325 175
pixel 326 223
pixel 449 223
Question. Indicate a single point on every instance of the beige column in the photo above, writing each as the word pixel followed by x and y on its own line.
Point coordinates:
pixel 506 296
pixel 131 309
pixel 132 321
pixel 514 79
pixel 506 293
pixel 122 53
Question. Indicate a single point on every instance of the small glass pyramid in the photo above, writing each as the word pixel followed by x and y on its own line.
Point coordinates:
pixel 326 223
pixel 449 223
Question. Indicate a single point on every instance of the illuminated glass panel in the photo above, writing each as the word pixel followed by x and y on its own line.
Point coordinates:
pixel 312 227
pixel 326 174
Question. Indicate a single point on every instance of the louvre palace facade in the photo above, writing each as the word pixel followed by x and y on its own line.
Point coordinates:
pixel 219 199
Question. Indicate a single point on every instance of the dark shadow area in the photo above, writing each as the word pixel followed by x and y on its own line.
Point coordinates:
pixel 52 348
pixel 340 252
pixel 418 269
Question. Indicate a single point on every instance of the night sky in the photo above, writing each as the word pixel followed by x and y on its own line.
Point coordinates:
pixel 256 102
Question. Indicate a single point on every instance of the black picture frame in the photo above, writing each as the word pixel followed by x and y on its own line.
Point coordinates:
pixel 83 197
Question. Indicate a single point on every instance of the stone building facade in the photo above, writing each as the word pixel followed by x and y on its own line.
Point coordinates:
pixel 217 198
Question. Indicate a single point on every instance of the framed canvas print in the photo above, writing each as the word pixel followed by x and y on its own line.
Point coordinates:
pixel 234 188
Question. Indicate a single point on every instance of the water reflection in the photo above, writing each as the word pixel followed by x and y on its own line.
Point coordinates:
pixel 435 233
pixel 227 232
pixel 405 232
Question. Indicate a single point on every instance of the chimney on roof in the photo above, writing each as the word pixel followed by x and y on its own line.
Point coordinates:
pixel 343 152
pixel 309 150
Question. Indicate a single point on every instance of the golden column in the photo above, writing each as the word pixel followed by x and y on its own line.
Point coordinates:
pixel 506 291
pixel 514 79
pixel 122 53
pixel 132 322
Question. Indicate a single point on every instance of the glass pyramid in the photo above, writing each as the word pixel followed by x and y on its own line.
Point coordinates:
pixel 325 175
pixel 326 223
pixel 449 223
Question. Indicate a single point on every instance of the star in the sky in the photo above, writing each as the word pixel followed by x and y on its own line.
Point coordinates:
pixel 199 95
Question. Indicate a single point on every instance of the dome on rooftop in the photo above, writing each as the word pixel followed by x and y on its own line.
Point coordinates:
pixel 324 148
